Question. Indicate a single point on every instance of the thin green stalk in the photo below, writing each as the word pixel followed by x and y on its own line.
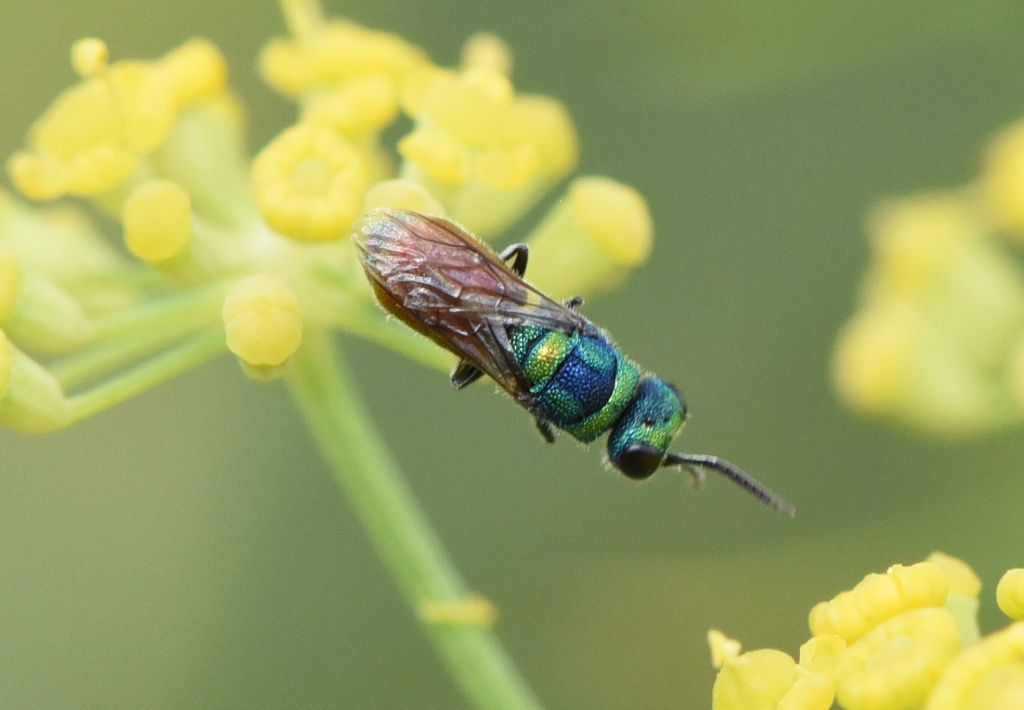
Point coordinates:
pixel 165 366
pixel 137 332
pixel 365 471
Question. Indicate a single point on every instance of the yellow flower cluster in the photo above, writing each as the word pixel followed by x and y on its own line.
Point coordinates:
pixel 902 640
pixel 225 253
pixel 938 342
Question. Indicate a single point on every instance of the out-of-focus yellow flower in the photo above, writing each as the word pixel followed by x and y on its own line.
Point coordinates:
pixel 321 55
pixel 157 221
pixel 93 138
pixel 942 309
pixel 403 195
pixel 602 227
pixel 263 321
pixel 89 56
pixel 160 146
pixel 484 151
pixel 1010 594
pixel 1002 180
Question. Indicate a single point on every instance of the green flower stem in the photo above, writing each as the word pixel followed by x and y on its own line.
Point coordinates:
pixel 165 366
pixel 139 332
pixel 366 472
pixel 370 326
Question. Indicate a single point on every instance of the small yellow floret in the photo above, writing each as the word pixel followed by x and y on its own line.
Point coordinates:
pixel 616 216
pixel 195 71
pixel 591 240
pixel 357 108
pixel 879 597
pixel 438 154
pixel 895 665
pixel 487 51
pixel 157 221
pixel 961 578
pixel 403 194
pixel 89 56
pixel 10 281
pixel 986 676
pixel 327 54
pixel 754 681
pixel 722 648
pixel 1002 179
pixel 262 320
pixel 1010 594
pixel 310 183
pixel 92 136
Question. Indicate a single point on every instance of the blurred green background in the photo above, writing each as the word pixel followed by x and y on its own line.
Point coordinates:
pixel 189 549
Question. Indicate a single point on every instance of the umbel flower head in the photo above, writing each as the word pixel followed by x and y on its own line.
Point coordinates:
pixel 902 640
pixel 226 253
pixel 938 342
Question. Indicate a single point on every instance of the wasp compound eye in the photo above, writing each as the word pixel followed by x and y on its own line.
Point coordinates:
pixel 639 461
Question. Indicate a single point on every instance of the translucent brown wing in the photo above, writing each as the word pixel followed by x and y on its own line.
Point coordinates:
pixel 454 289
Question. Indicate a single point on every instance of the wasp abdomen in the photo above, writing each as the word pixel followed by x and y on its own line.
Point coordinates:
pixel 580 383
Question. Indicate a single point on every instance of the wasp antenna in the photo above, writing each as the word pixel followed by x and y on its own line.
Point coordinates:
pixel 735 474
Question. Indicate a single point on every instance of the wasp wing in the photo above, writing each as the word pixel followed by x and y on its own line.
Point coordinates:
pixel 454 289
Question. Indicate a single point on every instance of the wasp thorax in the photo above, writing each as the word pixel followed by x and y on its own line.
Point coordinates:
pixel 639 439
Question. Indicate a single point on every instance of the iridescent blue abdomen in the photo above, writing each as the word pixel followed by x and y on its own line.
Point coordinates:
pixel 578 382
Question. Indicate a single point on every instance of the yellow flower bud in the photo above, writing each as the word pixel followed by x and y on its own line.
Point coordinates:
pixel 487 51
pixel 403 195
pixel 157 221
pixel 310 183
pixel 89 56
pixel 961 578
pixel 894 665
pixel 1002 179
pixel 262 320
pixel 357 108
pixel 437 154
pixel 195 71
pixel 591 240
pixel 326 54
pixel 722 648
pixel 1010 594
pixel 986 676
pixel 964 588
pixel 754 681
pixel 91 138
pixel 879 597
pixel 485 152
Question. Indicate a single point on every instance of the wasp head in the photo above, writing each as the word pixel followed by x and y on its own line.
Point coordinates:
pixel 640 438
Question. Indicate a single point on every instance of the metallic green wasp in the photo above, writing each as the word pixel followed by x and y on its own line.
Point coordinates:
pixel 563 369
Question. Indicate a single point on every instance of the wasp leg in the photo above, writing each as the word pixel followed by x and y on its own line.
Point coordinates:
pixel 545 430
pixel 520 254
pixel 573 303
pixel 464 374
